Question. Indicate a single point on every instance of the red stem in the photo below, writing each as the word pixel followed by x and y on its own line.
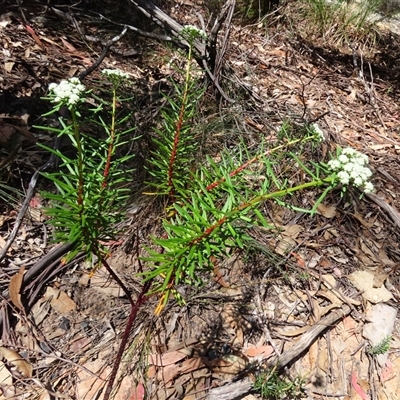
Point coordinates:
pixel 117 279
pixel 132 316
pixel 233 173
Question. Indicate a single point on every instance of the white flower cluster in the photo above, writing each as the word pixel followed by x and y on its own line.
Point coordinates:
pixel 193 32
pixel 117 73
pixel 67 91
pixel 319 132
pixel 350 168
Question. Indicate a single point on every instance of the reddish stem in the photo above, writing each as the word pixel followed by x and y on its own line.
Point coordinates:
pixel 132 316
pixel 117 279
pixel 233 173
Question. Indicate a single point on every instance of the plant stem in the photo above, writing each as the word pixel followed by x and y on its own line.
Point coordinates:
pixel 132 316
pixel 179 123
pixel 116 278
pixel 254 159
pixel 111 139
pixel 80 162
pixel 248 204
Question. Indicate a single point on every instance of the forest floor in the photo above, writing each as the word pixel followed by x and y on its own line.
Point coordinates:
pixel 338 270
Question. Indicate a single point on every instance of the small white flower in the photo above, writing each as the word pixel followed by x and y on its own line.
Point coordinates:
pixel 67 91
pixel 362 159
pixel 367 172
pixel 344 177
pixel 73 98
pixel 347 167
pixel 358 181
pixel 355 175
pixel 349 151
pixel 115 73
pixel 334 165
pixel 350 167
pixel 192 32
pixel 368 187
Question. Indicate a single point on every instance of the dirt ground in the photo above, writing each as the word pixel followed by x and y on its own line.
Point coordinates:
pixel 316 299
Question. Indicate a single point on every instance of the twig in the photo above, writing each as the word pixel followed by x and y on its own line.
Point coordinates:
pixel 25 204
pixel 369 88
pixel 216 58
pixel 103 54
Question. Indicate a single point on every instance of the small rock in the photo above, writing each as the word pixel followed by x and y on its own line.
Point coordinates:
pixel 364 281
pixel 381 319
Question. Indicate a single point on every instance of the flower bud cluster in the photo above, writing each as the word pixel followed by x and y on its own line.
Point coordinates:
pixel 68 91
pixel 350 169
pixel 191 33
pixel 117 73
pixel 320 134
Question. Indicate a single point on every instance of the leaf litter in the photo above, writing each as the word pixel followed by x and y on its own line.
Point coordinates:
pixel 266 307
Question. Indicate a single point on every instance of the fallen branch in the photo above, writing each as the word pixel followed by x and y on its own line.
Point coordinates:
pixel 235 388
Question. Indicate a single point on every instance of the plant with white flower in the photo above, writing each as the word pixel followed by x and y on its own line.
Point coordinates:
pixel 115 76
pixel 191 33
pixel 67 93
pixel 90 185
pixel 115 72
pixel 350 168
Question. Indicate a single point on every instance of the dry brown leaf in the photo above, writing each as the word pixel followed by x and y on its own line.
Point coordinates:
pixel 151 372
pixel 162 360
pixel 103 283
pixel 385 259
pixel 313 354
pixel 6 132
pixel 79 344
pixel 330 296
pixel 293 231
pixel 380 277
pixel 228 364
pixel 23 366
pixel 351 97
pixel 261 350
pixel 15 288
pixel 5 375
pixel 2 241
pixel 326 211
pixel 6 383
pixel 60 301
pixel 70 48
pixel 89 385
pixel 40 310
pixel 8 66
pixel 285 245
pixel 168 374
pixel 366 224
